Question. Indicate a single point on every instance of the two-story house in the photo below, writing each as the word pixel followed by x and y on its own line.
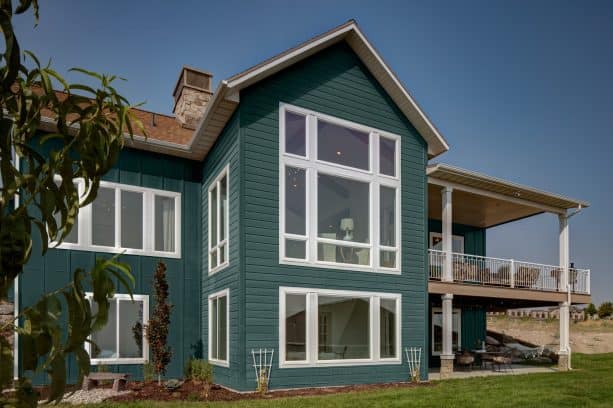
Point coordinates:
pixel 297 209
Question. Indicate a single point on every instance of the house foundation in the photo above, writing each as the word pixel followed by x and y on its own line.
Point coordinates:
pixel 564 361
pixel 446 367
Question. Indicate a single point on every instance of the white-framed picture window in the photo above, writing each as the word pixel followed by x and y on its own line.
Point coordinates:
pixel 436 242
pixel 437 330
pixel 122 340
pixel 339 195
pixel 127 219
pixel 219 328
pixel 322 327
pixel 219 223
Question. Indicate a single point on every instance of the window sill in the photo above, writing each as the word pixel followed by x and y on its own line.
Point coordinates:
pixel 339 266
pixel 112 250
pixel 340 363
pixel 219 268
pixel 220 363
pixel 117 361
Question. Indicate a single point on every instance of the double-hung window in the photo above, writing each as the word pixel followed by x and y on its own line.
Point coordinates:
pixel 129 219
pixel 339 193
pixel 219 327
pixel 328 327
pixel 218 221
pixel 122 340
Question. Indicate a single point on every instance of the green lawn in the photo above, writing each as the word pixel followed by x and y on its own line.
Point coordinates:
pixel 589 385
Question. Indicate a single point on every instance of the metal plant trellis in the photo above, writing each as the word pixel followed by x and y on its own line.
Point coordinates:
pixel 413 355
pixel 262 364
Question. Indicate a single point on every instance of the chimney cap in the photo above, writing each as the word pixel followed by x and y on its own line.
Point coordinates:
pixel 192 78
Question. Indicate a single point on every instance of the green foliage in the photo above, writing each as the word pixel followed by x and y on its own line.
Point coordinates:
pixel 158 326
pixel 605 310
pixel 148 372
pixel 86 135
pixel 199 370
pixel 591 310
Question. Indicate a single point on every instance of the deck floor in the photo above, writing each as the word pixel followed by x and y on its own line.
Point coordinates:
pixel 518 369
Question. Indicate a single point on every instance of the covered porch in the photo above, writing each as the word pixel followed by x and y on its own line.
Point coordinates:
pixel 462 200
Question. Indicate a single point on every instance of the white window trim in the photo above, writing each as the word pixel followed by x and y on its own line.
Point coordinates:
pixel 312 337
pixel 215 296
pixel 117 298
pixel 439 235
pixel 85 220
pixel 440 310
pixel 226 242
pixel 313 166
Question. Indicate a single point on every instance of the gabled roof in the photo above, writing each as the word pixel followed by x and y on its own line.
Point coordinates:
pixel 227 95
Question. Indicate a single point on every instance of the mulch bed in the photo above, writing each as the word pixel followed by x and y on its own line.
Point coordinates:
pixel 193 391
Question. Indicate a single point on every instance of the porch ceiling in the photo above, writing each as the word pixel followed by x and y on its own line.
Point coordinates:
pixel 477 210
pixel 484 201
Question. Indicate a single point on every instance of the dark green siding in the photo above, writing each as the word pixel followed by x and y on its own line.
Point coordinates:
pixel 474 237
pixel 473 326
pixel 225 152
pixel 43 274
pixel 336 83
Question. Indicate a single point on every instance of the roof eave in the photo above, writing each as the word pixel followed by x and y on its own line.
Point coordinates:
pixel 229 90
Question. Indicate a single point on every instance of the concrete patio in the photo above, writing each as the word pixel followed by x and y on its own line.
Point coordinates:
pixel 517 369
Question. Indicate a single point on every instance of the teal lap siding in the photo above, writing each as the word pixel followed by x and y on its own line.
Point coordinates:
pixel 336 83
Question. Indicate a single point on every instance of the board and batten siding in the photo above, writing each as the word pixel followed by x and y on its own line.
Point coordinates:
pixel 336 83
pixel 54 270
pixel 225 152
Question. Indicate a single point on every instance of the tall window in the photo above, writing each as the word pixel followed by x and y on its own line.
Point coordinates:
pixel 340 193
pixel 437 330
pixel 218 222
pixel 327 327
pixel 122 340
pixel 130 219
pixel 219 327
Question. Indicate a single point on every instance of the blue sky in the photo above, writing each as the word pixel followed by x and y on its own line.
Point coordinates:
pixel 521 90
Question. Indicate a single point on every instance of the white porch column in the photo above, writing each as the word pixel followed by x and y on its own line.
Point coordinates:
pixel 564 353
pixel 447 355
pixel 447 221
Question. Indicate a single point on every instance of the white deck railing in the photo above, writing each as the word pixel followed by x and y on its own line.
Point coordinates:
pixel 487 271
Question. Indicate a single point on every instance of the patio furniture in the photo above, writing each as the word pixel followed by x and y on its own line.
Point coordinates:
pixel 502 362
pixel 526 277
pixel 465 360
pixel 119 380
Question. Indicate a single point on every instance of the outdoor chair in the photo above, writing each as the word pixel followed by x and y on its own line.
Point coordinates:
pixel 465 360
pixel 502 362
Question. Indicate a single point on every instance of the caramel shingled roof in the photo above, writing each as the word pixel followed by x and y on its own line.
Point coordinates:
pixel 160 127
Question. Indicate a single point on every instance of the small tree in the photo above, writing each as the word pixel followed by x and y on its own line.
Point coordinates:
pixel 157 329
pixel 591 310
pixel 605 310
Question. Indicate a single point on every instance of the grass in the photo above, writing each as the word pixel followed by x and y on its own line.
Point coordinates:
pixel 590 384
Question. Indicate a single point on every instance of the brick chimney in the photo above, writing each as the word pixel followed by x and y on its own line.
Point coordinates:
pixel 192 93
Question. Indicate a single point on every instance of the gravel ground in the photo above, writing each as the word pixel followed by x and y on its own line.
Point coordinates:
pixel 91 397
